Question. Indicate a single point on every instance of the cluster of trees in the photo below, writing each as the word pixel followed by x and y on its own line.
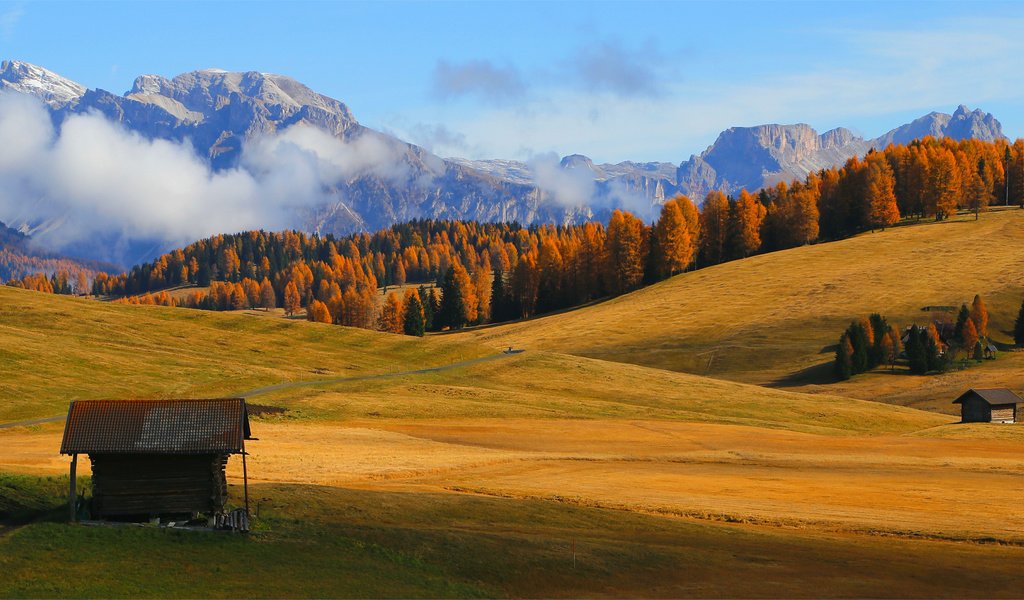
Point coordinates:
pixel 868 343
pixel 928 351
pixel 926 178
pixel 62 281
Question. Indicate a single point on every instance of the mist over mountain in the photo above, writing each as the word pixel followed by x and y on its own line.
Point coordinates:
pixel 122 177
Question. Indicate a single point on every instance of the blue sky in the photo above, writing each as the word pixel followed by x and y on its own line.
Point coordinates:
pixel 613 80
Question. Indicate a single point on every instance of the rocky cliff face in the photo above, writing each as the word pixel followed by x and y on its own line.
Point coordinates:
pixel 753 157
pixel 962 124
pixel 49 87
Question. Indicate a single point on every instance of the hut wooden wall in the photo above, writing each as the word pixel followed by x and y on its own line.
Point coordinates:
pixel 1003 413
pixel 153 484
pixel 975 410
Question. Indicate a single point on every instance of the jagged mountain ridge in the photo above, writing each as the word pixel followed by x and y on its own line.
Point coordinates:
pixel 218 112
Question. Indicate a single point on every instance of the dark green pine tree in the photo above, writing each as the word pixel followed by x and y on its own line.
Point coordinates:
pixel 203 276
pixel 917 356
pixel 453 305
pixel 932 357
pixel 426 301
pixel 844 359
pixel 500 303
pixel 1018 327
pixel 859 341
pixel 414 322
pixel 961 318
pixel 879 327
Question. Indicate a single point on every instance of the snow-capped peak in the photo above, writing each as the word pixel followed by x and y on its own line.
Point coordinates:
pixel 46 85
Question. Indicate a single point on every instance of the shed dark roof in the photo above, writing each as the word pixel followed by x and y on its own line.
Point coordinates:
pixel 213 426
pixel 992 396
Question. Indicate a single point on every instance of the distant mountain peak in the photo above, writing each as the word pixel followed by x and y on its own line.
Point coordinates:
pixel 26 78
pixel 964 123
pixel 575 161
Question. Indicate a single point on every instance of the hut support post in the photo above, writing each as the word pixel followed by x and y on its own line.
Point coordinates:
pixel 73 488
pixel 245 481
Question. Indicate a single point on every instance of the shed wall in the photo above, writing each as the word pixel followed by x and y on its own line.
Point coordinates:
pixel 150 484
pixel 975 410
pixel 1004 413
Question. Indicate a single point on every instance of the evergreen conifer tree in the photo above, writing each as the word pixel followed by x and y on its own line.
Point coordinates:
pixel 859 340
pixel 426 301
pixel 844 358
pixel 453 303
pixel 917 355
pixel 499 299
pixel 413 321
pixel 1018 327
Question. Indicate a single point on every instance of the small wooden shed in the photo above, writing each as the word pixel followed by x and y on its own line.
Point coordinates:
pixel 988 406
pixel 156 457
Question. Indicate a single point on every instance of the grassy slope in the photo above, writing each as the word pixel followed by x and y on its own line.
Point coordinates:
pixel 775 318
pixel 546 385
pixel 55 349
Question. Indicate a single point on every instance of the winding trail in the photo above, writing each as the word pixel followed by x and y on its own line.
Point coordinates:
pixel 310 382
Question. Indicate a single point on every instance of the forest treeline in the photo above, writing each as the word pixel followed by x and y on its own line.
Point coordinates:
pixel 502 271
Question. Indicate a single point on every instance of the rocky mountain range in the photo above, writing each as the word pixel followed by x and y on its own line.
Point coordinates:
pixel 219 114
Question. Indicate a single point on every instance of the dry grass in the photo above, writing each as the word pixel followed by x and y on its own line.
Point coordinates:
pixel 55 349
pixel 906 486
pixel 775 317
pixel 544 386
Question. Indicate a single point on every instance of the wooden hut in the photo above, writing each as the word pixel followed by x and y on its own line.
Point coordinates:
pixel 988 406
pixel 159 457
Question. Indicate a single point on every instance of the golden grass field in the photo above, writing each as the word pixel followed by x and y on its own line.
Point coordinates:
pixel 480 479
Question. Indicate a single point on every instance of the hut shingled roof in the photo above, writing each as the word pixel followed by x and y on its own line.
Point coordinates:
pixel 207 426
pixel 992 396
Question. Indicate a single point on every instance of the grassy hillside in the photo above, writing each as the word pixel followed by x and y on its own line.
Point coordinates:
pixel 775 318
pixel 480 480
pixel 54 349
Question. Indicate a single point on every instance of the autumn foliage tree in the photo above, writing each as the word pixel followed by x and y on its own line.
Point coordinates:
pixel 674 247
pixel 391 317
pixel 979 316
pixel 626 239
pixel 292 299
pixel 318 313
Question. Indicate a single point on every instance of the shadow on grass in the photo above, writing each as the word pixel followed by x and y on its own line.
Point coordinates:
pixel 25 499
pixel 820 374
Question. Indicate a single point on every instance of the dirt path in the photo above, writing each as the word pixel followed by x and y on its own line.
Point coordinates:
pixel 311 382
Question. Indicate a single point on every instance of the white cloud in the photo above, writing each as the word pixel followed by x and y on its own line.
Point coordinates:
pixel 871 75
pixel 94 178
pixel 568 187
